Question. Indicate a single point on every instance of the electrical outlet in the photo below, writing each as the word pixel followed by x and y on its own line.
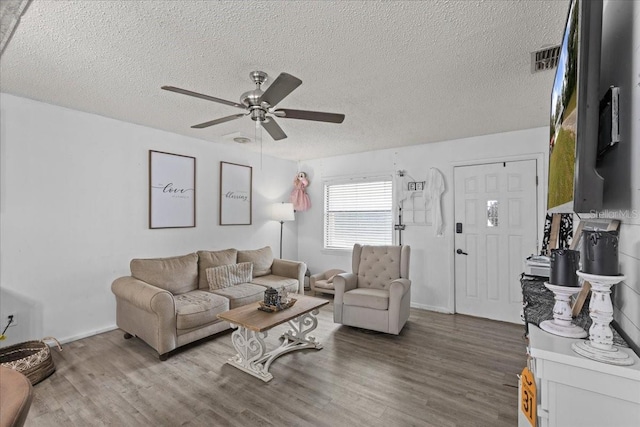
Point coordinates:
pixel 15 319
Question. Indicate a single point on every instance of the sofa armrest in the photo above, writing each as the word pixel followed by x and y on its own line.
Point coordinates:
pixel 399 303
pixel 399 287
pixel 147 312
pixel 342 283
pixel 292 269
pixel 144 296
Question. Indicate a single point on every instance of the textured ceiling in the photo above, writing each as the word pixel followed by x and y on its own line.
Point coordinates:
pixel 403 73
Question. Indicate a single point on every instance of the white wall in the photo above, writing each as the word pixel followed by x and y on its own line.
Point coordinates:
pixel 431 257
pixel 74 212
pixel 621 167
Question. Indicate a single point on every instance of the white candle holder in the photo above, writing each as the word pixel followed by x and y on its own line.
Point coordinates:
pixel 600 345
pixel 561 324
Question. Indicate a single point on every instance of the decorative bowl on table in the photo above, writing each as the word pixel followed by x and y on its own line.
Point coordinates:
pixel 275 308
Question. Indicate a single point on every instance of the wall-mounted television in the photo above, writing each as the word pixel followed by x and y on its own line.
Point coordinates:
pixel 574 183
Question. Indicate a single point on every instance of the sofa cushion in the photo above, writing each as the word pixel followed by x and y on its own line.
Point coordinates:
pixel 208 259
pixel 377 299
pixel 276 282
pixel 261 259
pixel 324 284
pixel 198 308
pixel 175 274
pixel 242 294
pixel 229 275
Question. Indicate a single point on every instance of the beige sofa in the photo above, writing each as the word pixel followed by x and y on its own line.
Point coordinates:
pixel 170 302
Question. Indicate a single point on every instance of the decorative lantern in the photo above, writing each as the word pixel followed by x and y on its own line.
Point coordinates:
pixel 271 297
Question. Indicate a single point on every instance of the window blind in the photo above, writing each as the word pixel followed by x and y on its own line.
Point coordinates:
pixel 358 212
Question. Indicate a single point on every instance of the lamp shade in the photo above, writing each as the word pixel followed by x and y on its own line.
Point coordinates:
pixel 282 212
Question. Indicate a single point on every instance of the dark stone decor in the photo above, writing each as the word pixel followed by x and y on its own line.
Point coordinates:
pixel 538 304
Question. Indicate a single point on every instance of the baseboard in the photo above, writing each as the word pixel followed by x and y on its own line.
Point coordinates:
pixel 431 308
pixel 87 334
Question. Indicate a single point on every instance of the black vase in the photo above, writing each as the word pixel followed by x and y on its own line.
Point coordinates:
pixel 564 264
pixel 600 252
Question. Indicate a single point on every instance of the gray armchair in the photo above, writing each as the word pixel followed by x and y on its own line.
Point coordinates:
pixel 377 295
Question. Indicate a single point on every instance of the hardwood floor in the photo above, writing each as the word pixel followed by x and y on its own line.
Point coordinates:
pixel 442 370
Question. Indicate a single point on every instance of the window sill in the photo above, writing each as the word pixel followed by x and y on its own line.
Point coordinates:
pixel 336 252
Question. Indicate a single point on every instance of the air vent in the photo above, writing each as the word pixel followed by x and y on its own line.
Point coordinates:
pixel 546 59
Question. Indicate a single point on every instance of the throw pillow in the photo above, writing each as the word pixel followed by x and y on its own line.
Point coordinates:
pixel 330 279
pixel 225 276
pixel 207 259
pixel 261 259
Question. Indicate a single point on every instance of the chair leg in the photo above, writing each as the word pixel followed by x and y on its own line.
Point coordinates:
pixel 127 336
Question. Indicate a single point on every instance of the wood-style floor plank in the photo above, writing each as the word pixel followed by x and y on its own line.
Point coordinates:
pixel 442 370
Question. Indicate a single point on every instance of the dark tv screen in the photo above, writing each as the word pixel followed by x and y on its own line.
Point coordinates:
pixel 574 184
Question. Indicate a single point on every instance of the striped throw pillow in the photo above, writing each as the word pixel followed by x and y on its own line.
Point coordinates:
pixel 225 276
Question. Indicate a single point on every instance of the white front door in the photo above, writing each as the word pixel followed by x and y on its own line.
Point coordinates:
pixel 496 229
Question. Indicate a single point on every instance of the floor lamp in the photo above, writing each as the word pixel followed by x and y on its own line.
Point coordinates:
pixel 283 212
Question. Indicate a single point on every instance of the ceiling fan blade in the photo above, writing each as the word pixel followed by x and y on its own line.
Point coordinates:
pixel 218 121
pixel 309 115
pixel 274 129
pixel 200 95
pixel 281 87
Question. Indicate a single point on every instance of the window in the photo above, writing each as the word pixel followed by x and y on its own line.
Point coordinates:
pixel 358 212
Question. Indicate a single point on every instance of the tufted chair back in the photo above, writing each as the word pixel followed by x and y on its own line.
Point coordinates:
pixel 376 266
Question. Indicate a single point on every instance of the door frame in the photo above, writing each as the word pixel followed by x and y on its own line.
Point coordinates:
pixel 541 168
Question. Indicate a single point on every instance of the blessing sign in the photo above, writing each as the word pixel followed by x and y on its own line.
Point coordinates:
pixel 528 396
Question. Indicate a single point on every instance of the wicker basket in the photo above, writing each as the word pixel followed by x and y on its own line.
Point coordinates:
pixel 31 358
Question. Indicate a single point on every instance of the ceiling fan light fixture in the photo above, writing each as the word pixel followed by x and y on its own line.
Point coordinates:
pixel 258 114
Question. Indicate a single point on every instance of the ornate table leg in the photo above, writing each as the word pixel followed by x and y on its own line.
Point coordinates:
pixel 252 357
pixel 251 350
pixel 600 345
pixel 300 328
pixel 296 338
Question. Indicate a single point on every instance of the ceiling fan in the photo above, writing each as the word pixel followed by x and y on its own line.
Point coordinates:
pixel 260 104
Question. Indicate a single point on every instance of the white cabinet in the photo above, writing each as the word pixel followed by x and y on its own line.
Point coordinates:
pixel 575 391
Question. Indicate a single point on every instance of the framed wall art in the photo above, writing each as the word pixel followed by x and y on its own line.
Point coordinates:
pixel 235 194
pixel 172 190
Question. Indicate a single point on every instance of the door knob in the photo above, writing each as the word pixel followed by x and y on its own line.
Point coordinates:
pixel 461 252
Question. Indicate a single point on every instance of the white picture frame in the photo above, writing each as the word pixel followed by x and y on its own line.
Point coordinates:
pixel 172 190
pixel 236 186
